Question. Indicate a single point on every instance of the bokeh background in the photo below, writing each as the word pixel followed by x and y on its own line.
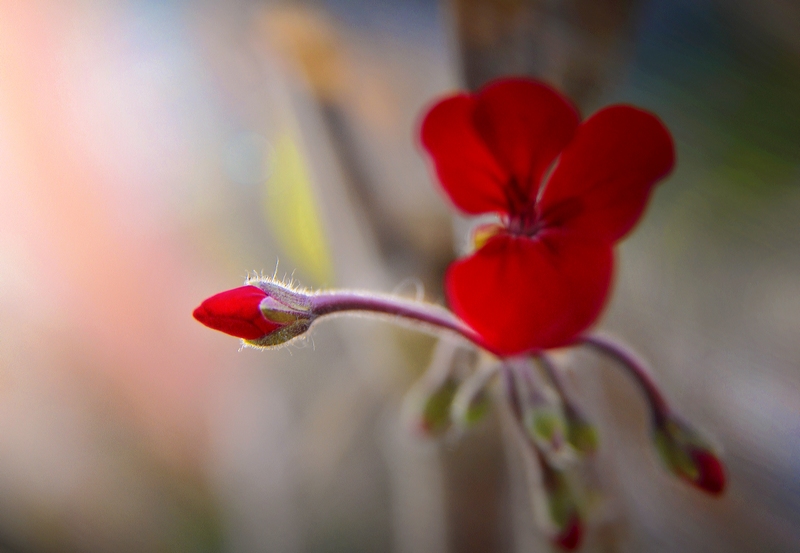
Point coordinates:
pixel 153 153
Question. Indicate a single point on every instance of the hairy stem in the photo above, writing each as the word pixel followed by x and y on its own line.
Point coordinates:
pixel 339 301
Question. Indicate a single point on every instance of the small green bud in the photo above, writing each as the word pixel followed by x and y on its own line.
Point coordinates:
pixel 428 405
pixel 473 400
pixel 477 408
pixel 581 434
pixel 547 426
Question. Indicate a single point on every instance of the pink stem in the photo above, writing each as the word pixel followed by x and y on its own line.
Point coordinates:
pixel 659 406
pixel 325 303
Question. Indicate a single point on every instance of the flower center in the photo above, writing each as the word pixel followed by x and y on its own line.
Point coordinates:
pixel 522 218
pixel 525 224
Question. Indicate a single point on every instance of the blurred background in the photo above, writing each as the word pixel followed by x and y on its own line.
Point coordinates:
pixel 153 153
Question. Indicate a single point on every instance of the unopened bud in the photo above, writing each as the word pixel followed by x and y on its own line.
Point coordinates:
pixel 428 405
pixel 472 402
pixel 559 514
pixel 581 434
pixel 472 409
pixel 263 314
pixel 689 456
pixel 571 535
pixel 547 426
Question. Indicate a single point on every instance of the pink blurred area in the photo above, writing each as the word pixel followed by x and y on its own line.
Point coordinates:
pixel 105 379
pixel 95 261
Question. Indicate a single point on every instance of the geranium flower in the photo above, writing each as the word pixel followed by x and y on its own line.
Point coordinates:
pixel 565 192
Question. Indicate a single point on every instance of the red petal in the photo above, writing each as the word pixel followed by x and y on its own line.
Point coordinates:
pixel 604 177
pixel 490 150
pixel 523 294
pixel 525 124
pixel 466 169
pixel 236 312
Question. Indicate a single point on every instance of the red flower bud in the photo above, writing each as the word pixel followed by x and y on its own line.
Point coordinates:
pixel 687 455
pixel 712 473
pixel 265 314
pixel 571 536
pixel 563 522
pixel 236 312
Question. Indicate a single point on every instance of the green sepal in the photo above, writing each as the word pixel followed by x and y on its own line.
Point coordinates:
pixel 435 413
pixel 581 434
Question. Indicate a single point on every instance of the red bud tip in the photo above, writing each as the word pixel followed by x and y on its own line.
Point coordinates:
pixel 712 473
pixel 236 312
pixel 571 536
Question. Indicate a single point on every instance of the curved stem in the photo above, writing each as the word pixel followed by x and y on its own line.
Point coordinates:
pixel 338 301
pixel 658 403
pixel 511 392
pixel 556 379
pixel 532 380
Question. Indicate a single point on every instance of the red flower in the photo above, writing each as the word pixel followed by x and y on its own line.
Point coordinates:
pixel 544 274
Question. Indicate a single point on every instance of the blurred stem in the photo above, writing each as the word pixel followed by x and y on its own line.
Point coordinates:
pixel 532 382
pixel 543 476
pixel 339 301
pixel 659 407
pixel 556 379
pixel 511 391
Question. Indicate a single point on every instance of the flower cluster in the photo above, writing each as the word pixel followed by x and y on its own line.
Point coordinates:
pixel 563 193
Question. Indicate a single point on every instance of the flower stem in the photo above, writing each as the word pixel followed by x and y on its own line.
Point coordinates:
pixel 556 379
pixel 659 406
pixel 338 301
pixel 511 393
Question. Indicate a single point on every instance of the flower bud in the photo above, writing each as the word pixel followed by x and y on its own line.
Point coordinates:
pixel 689 456
pixel 472 401
pixel 581 434
pixel 428 405
pixel 557 508
pixel 547 426
pixel 469 410
pixel 263 314
pixel 572 534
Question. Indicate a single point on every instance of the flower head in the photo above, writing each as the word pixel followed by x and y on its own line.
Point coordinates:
pixel 566 192
pixel 262 314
